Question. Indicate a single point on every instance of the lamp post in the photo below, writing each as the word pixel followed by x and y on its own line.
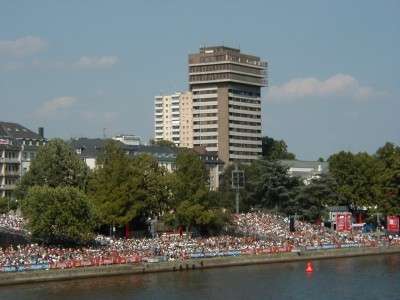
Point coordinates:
pixel 237 183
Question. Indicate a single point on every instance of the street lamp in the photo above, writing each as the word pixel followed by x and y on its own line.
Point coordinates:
pixel 237 183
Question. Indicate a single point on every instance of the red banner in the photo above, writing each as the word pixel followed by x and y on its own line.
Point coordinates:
pixel 392 223
pixel 344 222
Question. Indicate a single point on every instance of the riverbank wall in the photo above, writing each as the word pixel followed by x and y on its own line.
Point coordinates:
pixel 187 265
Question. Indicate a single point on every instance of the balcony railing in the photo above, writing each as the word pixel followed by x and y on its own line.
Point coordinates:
pixel 9 160
pixel 7 186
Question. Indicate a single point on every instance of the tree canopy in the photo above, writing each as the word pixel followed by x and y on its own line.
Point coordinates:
pixel 275 149
pixel 56 165
pixel 60 215
pixel 311 201
pixel 113 187
pixel 124 188
pixel 389 179
pixel 357 177
pixel 270 185
pixel 189 191
pixel 191 178
pixel 163 143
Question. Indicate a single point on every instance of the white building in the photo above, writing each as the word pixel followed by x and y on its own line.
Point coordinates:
pixel 18 146
pixel 173 120
pixel 306 170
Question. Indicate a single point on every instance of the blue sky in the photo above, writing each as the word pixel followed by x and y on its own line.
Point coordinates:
pixel 77 67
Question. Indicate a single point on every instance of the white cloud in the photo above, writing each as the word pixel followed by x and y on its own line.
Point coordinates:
pixel 22 46
pixel 339 84
pixel 55 106
pixel 102 62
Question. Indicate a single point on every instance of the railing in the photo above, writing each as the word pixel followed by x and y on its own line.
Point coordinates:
pixel 7 186
pixel 9 160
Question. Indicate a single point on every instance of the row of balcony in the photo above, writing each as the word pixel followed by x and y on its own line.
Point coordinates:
pixel 7 186
pixel 9 173
pixel 9 160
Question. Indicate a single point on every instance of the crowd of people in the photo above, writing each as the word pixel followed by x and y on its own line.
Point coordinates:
pixel 275 230
pixel 12 223
pixel 253 231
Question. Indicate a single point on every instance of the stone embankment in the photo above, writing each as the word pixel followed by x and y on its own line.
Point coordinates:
pixel 186 265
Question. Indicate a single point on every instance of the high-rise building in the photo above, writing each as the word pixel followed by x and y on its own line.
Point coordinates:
pixel 226 93
pixel 173 119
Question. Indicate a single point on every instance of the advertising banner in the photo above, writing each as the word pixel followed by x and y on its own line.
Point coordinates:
pixel 392 223
pixel 344 222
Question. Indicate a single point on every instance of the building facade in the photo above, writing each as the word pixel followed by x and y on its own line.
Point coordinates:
pixel 173 119
pixel 226 90
pixel 18 146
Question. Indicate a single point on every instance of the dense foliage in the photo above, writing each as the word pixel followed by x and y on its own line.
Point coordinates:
pixel 275 149
pixel 311 201
pixel 371 182
pixel 60 215
pixel 388 200
pixel 55 165
pixel 189 191
pixel 7 204
pixel 113 187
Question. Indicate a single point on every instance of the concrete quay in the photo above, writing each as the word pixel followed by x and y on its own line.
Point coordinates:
pixel 186 265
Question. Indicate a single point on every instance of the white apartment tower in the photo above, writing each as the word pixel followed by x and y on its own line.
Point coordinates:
pixel 173 119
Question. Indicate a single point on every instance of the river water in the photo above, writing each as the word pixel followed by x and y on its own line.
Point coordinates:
pixel 368 277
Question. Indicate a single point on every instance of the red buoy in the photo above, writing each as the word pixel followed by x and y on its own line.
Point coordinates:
pixel 309 267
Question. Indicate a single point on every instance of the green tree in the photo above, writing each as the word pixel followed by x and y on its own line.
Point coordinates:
pixel 189 214
pixel 61 215
pixel 271 186
pixel 267 146
pixel 357 176
pixel 389 180
pixel 7 204
pixel 275 149
pixel 191 178
pixel 56 164
pixel 219 219
pixel 163 143
pixel 311 201
pixel 190 190
pixel 114 187
pixel 154 184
